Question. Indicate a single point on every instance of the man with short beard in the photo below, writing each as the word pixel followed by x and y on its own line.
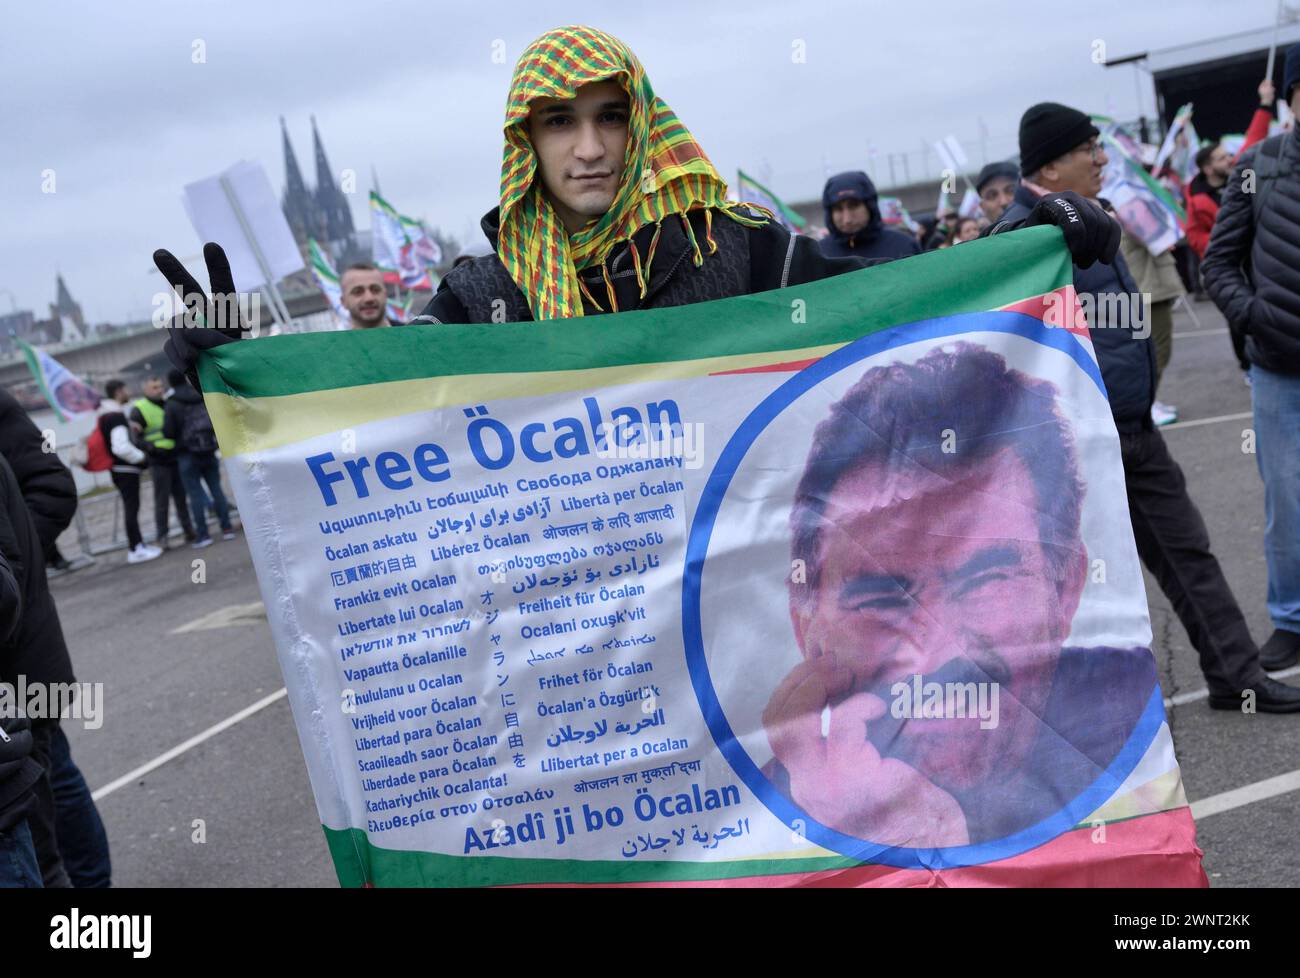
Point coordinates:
pixel 364 296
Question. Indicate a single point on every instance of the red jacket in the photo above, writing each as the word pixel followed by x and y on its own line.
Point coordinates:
pixel 1203 206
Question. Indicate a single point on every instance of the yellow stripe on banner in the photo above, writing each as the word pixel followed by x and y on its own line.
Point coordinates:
pixel 259 423
pixel 1160 794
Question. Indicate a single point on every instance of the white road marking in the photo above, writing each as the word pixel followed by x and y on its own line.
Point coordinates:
pixel 1246 795
pixel 194 741
pixel 1200 421
pixel 236 614
pixel 1202 332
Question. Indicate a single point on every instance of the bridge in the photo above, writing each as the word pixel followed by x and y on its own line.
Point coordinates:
pixel 137 350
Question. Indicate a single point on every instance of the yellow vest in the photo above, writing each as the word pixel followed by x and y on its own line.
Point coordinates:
pixel 153 421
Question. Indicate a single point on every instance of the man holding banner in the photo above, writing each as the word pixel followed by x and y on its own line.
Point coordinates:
pixel 676 574
pixel 1059 151
pixel 607 204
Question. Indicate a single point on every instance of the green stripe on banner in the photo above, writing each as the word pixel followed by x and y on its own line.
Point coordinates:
pixel 978 276
pixel 356 861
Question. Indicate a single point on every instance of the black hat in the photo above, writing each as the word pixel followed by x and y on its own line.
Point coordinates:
pixel 993 171
pixel 1048 131
pixel 1291 73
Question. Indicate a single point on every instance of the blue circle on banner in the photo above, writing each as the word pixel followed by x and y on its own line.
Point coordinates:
pixel 697 546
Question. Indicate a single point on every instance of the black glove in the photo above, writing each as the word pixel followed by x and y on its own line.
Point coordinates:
pixel 1090 233
pixel 221 323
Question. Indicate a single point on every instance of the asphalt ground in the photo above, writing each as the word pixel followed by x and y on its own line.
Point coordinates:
pixel 243 789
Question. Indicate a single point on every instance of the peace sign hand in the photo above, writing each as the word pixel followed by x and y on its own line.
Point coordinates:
pixel 209 321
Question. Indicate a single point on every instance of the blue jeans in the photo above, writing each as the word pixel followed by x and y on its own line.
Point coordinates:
pixel 206 468
pixel 18 866
pixel 1276 400
pixel 83 843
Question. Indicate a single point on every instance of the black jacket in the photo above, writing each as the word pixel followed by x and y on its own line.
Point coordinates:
pixel 1253 273
pixel 47 486
pixel 1127 358
pixel 36 649
pixel 18 771
pixel 747 260
pixel 873 241
pixel 184 399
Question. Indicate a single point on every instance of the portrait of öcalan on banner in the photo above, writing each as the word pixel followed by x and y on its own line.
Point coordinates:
pixel 846 599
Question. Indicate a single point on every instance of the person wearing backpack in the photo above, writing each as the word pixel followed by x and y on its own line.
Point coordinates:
pixel 1252 272
pixel 186 422
pixel 126 463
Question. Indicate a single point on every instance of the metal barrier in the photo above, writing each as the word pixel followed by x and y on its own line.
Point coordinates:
pixel 100 530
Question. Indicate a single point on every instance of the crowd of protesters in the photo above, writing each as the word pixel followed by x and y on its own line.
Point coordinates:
pixel 584 154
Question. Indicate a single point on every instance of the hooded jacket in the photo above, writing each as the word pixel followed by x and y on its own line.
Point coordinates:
pixel 184 399
pixel 873 241
pixel 1126 357
pixel 747 260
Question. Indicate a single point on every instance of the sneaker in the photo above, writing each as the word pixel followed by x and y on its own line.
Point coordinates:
pixel 200 544
pixel 1281 651
pixel 228 535
pixel 141 552
pixel 1163 414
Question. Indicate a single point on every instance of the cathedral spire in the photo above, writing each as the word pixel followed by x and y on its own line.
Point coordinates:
pixel 331 202
pixel 298 205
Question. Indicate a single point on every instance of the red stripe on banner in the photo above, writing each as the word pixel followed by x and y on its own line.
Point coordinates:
pixel 789 366
pixel 1060 309
pixel 1157 850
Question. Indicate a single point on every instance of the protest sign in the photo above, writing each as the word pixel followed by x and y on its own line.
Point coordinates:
pixel 834 583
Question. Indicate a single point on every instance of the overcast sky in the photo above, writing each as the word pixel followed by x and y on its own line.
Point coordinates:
pixel 109 98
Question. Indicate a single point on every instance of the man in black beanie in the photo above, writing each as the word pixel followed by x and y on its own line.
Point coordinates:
pixel 1258 227
pixel 996 186
pixel 1059 152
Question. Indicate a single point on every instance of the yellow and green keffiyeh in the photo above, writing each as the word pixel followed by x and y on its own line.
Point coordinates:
pixel 665 173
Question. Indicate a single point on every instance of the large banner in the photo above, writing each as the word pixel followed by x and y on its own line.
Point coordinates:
pixel 829 584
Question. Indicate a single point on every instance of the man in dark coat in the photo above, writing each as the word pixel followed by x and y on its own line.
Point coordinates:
pixel 48 486
pixel 853 223
pixel 19 772
pixel 65 826
pixel 1252 272
pixel 1059 152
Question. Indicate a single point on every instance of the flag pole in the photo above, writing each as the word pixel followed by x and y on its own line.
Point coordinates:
pixel 279 311
pixel 1272 48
